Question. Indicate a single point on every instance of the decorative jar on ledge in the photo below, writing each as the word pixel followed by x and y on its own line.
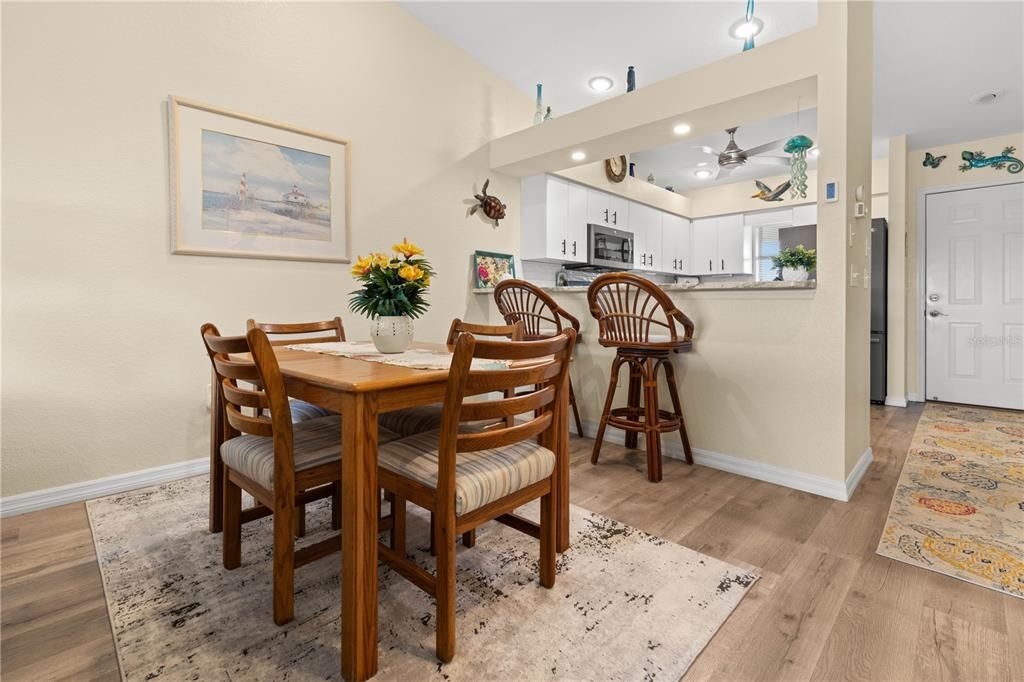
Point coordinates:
pixel 794 275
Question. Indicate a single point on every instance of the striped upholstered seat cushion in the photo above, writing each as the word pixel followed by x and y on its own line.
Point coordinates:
pixel 316 442
pixel 412 420
pixel 480 477
pixel 303 411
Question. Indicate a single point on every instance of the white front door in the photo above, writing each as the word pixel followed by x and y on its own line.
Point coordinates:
pixel 974 296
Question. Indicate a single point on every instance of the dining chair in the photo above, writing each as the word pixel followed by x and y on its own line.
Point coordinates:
pixel 521 301
pixel 280 464
pixel 466 476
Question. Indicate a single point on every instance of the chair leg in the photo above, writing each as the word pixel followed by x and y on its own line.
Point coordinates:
pixel 433 536
pixel 651 433
pixel 445 542
pixel 633 401
pixel 469 538
pixel 284 564
pixel 606 412
pixel 398 525
pixel 300 520
pixel 336 505
pixel 677 406
pixel 547 538
pixel 232 524
pixel 575 410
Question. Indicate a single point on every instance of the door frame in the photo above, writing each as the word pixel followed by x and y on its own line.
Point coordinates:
pixel 922 264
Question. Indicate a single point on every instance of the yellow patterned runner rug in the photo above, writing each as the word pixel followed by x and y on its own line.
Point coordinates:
pixel 959 505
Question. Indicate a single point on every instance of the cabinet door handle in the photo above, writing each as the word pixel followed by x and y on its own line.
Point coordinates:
pixel 563 247
pixel 723 264
pixel 710 267
pixel 615 217
pixel 606 215
pixel 574 247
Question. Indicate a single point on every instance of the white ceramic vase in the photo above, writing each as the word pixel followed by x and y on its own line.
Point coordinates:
pixel 794 274
pixel 391 334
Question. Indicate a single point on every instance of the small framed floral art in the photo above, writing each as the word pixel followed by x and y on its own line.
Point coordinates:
pixel 491 268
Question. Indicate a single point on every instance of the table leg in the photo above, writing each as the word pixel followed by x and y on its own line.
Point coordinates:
pixel 216 465
pixel 359 498
pixel 562 464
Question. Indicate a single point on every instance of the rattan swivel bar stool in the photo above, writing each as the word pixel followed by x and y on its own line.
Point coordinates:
pixel 638 320
pixel 542 318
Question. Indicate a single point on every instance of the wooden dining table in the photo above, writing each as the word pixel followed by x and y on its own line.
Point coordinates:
pixel 360 390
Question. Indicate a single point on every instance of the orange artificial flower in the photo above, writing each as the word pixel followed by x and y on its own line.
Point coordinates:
pixel 410 273
pixel 407 249
pixel 362 265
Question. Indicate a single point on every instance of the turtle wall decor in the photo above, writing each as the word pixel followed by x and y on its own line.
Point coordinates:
pixel 491 205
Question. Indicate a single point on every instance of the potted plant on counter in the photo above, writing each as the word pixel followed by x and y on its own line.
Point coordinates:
pixel 392 294
pixel 795 263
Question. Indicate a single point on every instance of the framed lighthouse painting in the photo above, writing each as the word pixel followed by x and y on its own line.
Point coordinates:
pixel 248 187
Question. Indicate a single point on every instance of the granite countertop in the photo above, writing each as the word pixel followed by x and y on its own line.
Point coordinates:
pixel 703 286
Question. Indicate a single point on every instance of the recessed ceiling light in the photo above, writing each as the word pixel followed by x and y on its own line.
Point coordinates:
pixel 681 129
pixel 986 97
pixel 703 173
pixel 746 29
pixel 600 83
pixel 814 152
pixel 578 156
pixel 702 163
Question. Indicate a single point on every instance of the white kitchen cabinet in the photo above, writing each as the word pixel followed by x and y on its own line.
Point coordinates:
pixel 718 246
pixel 646 225
pixel 805 215
pixel 553 224
pixel 618 212
pixel 675 240
pixel 598 212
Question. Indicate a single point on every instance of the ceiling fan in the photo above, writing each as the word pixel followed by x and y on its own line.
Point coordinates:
pixel 733 156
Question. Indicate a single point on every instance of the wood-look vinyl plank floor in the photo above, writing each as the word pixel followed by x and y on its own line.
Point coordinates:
pixel 826 608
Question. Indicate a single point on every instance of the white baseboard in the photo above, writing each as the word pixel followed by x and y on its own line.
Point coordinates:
pixel 895 401
pixel 790 478
pixel 100 487
pixel 861 468
pixel 915 397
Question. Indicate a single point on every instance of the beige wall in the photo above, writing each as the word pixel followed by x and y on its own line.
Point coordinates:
pixel 103 368
pixel 920 178
pixel 593 175
pixel 896 329
pixel 735 197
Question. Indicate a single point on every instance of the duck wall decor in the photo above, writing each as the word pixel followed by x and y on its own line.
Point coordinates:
pixel 766 193
pixel 979 160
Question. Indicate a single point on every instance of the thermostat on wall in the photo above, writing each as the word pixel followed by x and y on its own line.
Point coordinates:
pixel 831 191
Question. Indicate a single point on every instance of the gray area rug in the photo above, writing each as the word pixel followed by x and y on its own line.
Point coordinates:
pixel 625 606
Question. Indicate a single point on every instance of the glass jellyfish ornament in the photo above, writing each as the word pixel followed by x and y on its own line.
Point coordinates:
pixel 797 146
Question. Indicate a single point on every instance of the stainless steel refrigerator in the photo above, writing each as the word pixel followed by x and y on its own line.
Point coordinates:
pixel 879 289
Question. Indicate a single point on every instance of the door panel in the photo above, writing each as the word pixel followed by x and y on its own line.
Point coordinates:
pixel 705 247
pixel 974 308
pixel 730 245
pixel 557 216
pixel 576 234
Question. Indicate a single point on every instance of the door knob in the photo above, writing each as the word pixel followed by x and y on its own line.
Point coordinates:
pixel 936 313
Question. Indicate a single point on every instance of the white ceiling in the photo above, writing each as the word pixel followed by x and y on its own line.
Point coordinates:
pixel 929 59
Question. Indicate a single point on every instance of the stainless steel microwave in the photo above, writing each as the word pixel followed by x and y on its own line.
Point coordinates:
pixel 609 247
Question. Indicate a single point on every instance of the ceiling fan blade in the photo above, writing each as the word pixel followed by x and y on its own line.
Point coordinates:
pixel 769 161
pixel 762 148
pixel 723 172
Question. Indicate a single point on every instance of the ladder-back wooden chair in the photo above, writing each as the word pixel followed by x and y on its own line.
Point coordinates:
pixel 639 320
pixel 467 477
pixel 542 317
pixel 281 464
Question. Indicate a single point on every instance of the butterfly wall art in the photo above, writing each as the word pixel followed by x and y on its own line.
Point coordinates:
pixel 932 161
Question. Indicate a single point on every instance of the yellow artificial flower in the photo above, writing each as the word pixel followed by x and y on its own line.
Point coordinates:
pixel 407 249
pixel 362 265
pixel 426 280
pixel 381 260
pixel 410 273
